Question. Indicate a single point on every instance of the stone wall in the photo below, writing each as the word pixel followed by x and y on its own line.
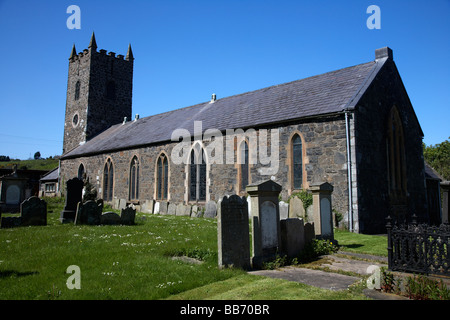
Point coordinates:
pixel 324 160
pixel 371 127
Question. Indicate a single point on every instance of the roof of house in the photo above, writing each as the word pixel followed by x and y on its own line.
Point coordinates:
pixel 51 175
pixel 319 95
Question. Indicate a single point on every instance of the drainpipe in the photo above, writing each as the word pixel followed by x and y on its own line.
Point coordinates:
pixel 349 173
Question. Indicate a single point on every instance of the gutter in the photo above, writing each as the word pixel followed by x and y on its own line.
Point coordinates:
pixel 349 173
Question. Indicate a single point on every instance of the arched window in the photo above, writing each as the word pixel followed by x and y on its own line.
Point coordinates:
pixel 134 179
pixel 77 90
pixel 108 181
pixel 162 177
pixel 197 176
pixel 81 172
pixel 111 90
pixel 297 162
pixel 396 155
pixel 243 166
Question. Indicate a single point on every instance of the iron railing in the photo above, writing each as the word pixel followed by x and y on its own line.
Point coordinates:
pixel 418 248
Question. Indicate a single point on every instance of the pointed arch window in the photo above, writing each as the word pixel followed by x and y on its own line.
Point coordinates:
pixel 396 155
pixel 134 179
pixel 297 162
pixel 81 172
pixel 108 181
pixel 162 177
pixel 197 176
pixel 77 90
pixel 243 166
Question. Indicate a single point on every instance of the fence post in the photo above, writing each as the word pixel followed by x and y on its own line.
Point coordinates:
pixel 389 236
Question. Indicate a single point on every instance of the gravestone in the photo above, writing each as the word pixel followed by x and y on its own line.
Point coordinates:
pixel 89 212
pixel 266 235
pixel 309 232
pixel 210 210
pixel 233 232
pixel 116 203
pixel 322 210
pixel 122 204
pixel 292 236
pixel 156 208
pixel 74 189
pixel 33 212
pixel 127 215
pixel 110 218
pixel 296 209
pixel 196 212
pixel 147 206
pixel 163 207
pixel 172 209
pixel 183 210
pixel 284 210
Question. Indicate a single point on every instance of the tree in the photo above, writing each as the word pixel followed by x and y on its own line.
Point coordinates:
pixel 37 155
pixel 438 156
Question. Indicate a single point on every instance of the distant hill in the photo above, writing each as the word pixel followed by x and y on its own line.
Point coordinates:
pixel 40 164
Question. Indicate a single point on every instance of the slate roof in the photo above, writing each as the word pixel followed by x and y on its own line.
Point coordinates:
pixel 323 94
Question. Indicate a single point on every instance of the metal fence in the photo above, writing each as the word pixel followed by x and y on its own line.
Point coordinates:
pixel 419 248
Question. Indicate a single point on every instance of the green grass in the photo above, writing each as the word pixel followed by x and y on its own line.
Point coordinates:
pixel 361 243
pixel 132 262
pixel 40 164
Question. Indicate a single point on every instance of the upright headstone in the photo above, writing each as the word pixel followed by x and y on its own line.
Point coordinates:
pixel 127 215
pixel 322 210
pixel 74 189
pixel 89 212
pixel 296 209
pixel 163 207
pixel 210 210
pixel 233 232
pixel 266 235
pixel 284 210
pixel 33 212
pixel 147 206
pixel 156 208
pixel 292 236
pixel 172 209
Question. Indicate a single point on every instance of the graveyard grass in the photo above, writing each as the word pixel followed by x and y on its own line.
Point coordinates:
pixel 132 262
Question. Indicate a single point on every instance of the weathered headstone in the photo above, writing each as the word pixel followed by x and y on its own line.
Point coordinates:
pixel 266 235
pixel 163 207
pixel 210 210
pixel 309 232
pixel 156 208
pixel 33 212
pixel 172 209
pixel 284 210
pixel 74 189
pixel 296 209
pixel 196 211
pixel 183 210
pixel 110 218
pixel 322 210
pixel 147 206
pixel 116 203
pixel 122 204
pixel 128 215
pixel 233 232
pixel 292 236
pixel 89 212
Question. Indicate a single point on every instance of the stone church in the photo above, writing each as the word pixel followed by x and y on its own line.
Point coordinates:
pixel 354 128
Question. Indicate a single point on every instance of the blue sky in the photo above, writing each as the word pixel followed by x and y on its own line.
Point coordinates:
pixel 186 50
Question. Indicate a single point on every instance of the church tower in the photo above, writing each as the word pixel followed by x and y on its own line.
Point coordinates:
pixel 99 93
